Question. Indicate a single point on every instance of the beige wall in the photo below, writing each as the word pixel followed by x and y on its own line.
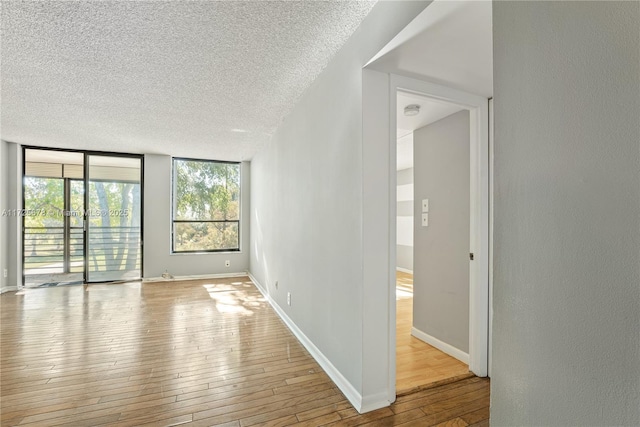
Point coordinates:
pixel 441 250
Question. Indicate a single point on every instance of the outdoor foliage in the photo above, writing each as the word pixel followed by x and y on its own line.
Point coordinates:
pixel 43 202
pixel 206 205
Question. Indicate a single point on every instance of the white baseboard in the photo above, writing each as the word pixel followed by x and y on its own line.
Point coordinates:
pixel 195 277
pixel 8 289
pixel 404 270
pixel 371 403
pixel 441 345
pixel 360 404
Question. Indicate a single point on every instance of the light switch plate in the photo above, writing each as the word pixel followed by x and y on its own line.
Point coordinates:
pixel 425 219
pixel 425 205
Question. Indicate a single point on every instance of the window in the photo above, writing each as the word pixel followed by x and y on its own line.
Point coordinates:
pixel 206 206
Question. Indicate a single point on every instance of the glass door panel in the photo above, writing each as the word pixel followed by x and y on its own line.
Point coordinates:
pixel 114 241
pixel 53 231
pixel 43 226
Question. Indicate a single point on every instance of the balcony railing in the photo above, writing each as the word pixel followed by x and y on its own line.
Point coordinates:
pixel 114 249
pixel 44 251
pixel 111 250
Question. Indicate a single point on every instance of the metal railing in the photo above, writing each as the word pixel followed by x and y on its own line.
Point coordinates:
pixel 111 249
pixel 44 250
pixel 114 249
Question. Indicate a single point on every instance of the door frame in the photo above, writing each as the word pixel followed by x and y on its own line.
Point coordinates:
pixel 479 283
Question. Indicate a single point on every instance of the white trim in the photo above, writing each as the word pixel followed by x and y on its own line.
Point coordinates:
pixel 404 270
pixel 393 245
pixel 350 392
pixel 478 107
pixel 195 277
pixel 371 403
pixel 19 227
pixel 206 253
pixel 491 152
pixel 441 345
pixel 8 289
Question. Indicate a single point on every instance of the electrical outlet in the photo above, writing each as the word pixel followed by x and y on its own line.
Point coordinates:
pixel 6 272
pixel 227 263
pixel 276 284
pixel 288 298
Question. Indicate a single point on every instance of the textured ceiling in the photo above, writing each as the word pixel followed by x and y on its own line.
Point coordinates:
pixel 199 79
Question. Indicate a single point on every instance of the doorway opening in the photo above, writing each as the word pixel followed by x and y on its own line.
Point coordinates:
pixel 450 216
pixel 432 233
pixel 82 217
pixel 444 54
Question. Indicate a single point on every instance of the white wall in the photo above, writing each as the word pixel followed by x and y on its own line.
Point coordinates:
pixel 11 199
pixel 404 218
pixel 566 327
pixel 4 219
pixel 157 227
pixel 307 214
pixel 441 250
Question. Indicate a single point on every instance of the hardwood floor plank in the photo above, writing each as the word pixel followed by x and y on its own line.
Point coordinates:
pixel 444 394
pixel 438 405
pixel 193 353
pixel 174 421
pixel 456 422
pixel 478 415
pixel 81 413
pixel 229 424
pixel 348 413
pixel 417 363
pixel 363 419
pixel 414 416
pixel 274 403
pixel 269 412
pixel 35 409
pixel 319 421
pixel 286 420
pixel 316 412
pixel 448 388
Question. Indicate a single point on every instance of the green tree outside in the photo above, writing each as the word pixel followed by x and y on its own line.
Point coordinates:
pixel 206 191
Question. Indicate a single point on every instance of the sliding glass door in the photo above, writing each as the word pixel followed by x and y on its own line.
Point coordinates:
pixel 82 217
pixel 53 218
pixel 113 218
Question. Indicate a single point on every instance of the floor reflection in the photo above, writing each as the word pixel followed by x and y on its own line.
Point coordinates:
pixel 233 298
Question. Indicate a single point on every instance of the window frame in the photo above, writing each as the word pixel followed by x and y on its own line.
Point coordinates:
pixel 173 208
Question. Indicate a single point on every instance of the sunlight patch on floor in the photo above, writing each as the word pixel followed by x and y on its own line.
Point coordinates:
pixel 229 299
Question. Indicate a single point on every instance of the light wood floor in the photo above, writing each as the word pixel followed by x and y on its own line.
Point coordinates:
pixel 200 353
pixel 404 281
pixel 417 363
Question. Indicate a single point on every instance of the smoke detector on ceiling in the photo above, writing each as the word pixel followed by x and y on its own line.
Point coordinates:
pixel 412 110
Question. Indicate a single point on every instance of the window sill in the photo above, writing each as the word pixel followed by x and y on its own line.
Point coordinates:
pixel 206 253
